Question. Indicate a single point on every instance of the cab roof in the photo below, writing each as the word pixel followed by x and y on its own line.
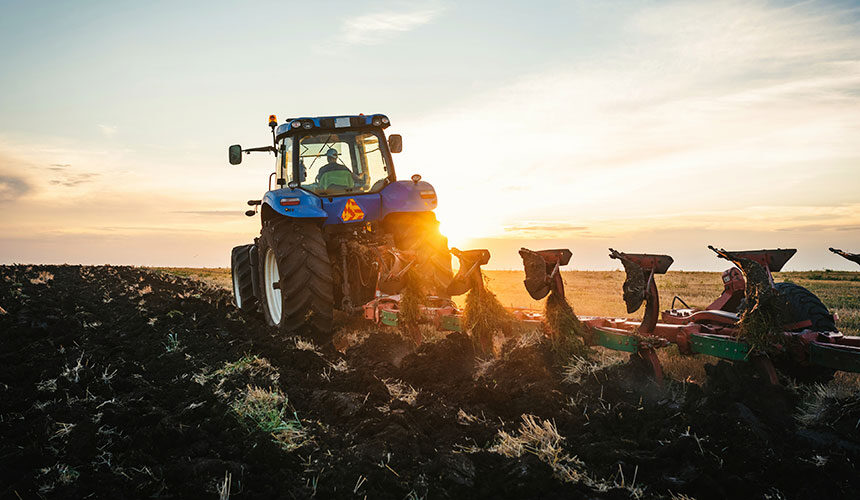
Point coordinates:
pixel 292 125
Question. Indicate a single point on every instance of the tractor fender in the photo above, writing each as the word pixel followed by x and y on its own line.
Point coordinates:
pixel 309 205
pixel 406 196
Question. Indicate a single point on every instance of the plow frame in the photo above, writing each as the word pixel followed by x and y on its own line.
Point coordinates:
pixel 714 332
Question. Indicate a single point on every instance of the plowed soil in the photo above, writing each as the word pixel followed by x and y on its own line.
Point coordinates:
pixel 117 382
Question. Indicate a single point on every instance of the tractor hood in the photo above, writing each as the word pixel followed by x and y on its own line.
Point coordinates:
pixel 400 196
pixel 408 196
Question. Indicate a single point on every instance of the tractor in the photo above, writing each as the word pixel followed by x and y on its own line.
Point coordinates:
pixel 338 230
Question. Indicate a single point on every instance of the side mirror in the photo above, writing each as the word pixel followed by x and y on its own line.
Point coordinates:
pixel 395 143
pixel 235 154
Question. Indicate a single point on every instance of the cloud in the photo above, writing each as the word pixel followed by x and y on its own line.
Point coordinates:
pixel 700 106
pixel 545 227
pixel 375 28
pixel 13 187
pixel 213 213
pixel 74 179
pixel 821 227
pixel 108 130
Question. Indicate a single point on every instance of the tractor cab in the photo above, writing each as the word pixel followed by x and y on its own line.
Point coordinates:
pixel 337 156
pixel 337 170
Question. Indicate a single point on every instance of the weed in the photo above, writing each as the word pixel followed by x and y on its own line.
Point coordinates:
pixel 267 410
pixel 172 344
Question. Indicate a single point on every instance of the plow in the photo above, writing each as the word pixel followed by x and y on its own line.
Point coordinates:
pixel 339 231
pixel 803 340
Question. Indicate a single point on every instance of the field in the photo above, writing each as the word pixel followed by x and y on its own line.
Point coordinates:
pixel 126 382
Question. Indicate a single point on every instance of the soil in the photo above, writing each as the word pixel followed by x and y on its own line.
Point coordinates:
pixel 114 383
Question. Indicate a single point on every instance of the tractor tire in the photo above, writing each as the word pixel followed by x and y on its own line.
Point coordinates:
pixel 296 279
pixel 419 232
pixel 244 292
pixel 806 305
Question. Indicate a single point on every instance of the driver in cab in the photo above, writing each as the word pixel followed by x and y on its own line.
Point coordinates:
pixel 334 173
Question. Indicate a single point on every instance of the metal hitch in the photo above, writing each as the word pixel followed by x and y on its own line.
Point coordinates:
pixel 543 272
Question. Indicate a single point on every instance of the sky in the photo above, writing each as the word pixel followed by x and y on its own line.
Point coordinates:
pixel 644 126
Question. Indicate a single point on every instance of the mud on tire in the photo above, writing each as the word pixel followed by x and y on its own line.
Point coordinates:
pixel 293 255
pixel 244 293
pixel 419 232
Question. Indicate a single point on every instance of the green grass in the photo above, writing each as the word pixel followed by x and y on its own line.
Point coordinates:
pixel 268 410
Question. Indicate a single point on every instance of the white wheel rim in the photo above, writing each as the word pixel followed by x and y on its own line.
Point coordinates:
pixel 236 296
pixel 273 295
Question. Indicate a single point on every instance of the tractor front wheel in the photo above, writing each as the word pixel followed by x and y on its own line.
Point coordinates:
pixel 296 280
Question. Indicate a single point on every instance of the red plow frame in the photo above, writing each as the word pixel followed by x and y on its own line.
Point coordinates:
pixel 713 331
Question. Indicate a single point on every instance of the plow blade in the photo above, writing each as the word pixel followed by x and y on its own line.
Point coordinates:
pixel 772 259
pixel 639 285
pixel 469 276
pixel 853 257
pixel 542 271
pixel 393 268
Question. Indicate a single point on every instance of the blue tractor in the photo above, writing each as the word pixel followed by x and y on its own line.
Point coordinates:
pixel 336 225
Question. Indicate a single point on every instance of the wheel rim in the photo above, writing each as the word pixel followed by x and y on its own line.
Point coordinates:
pixel 236 297
pixel 273 295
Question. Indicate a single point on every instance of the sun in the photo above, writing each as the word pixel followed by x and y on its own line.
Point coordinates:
pixel 465 222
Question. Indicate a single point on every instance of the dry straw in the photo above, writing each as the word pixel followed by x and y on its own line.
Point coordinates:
pixel 567 333
pixel 484 317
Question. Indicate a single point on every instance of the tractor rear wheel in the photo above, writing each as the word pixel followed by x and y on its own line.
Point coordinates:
pixel 419 232
pixel 244 295
pixel 295 275
pixel 805 305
